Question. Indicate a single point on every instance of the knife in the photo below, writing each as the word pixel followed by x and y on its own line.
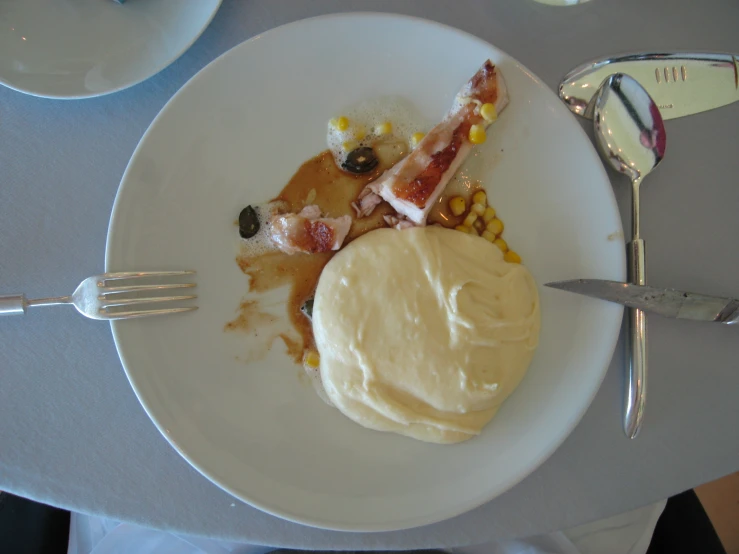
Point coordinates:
pixel 681 83
pixel 664 302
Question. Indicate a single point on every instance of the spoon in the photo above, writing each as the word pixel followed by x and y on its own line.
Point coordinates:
pixel 631 136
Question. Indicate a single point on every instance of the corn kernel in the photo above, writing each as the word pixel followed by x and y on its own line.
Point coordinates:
pixel 416 138
pixel 479 209
pixel 360 132
pixel 477 134
pixel 495 225
pixel 463 228
pixel 312 359
pixel 469 221
pixel 457 205
pixel 474 231
pixel 480 198
pixel 340 123
pixel 384 128
pixel 489 214
pixel 511 257
pixel 488 112
pixel 487 235
pixel 500 243
pixel 479 225
pixel 349 145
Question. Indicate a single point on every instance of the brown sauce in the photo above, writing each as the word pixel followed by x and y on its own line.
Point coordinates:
pixel 441 214
pixel 300 272
pixel 249 318
pixel 335 190
pixel 321 182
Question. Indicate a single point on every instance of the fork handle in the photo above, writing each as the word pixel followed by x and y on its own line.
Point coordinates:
pixel 13 305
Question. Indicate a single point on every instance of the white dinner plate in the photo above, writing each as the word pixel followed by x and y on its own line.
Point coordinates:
pixel 233 136
pixel 82 48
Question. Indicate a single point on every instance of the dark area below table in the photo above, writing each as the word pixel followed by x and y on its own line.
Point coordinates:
pixel 27 527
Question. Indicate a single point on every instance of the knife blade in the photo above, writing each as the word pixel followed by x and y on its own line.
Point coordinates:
pixel 665 302
pixel 681 83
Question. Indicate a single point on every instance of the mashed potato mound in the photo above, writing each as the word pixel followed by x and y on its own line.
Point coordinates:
pixel 424 332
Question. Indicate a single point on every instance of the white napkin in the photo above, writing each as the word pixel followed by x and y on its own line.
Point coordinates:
pixel 628 533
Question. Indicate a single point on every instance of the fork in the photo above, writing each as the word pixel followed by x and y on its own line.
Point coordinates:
pixel 107 297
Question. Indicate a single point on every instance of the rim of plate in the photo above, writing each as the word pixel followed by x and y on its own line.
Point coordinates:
pixel 612 326
pixel 158 69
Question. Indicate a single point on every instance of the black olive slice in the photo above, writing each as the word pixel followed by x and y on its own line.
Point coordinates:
pixel 248 222
pixel 360 160
pixel 307 308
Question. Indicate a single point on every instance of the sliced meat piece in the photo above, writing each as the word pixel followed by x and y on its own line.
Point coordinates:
pixel 414 184
pixel 310 212
pixel 399 222
pixel 308 232
pixel 366 202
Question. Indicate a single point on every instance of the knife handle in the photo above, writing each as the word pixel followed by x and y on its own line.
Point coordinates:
pixel 636 380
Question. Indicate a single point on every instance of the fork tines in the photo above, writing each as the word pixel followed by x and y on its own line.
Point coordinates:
pixel 133 274
pixel 110 296
pixel 114 314
pixel 145 288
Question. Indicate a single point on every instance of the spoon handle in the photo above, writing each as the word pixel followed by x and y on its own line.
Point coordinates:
pixel 636 382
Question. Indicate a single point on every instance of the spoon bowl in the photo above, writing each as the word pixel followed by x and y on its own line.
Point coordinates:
pixel 629 128
pixel 631 137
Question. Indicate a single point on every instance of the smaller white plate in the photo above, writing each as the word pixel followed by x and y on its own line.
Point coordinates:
pixel 71 49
